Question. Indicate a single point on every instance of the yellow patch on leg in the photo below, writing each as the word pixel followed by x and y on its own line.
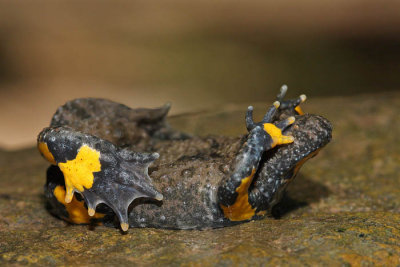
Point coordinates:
pixel 77 212
pixel 241 210
pixel 78 173
pixel 299 110
pixel 276 135
pixel 44 150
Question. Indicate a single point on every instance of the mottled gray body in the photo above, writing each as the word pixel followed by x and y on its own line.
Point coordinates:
pixel 192 171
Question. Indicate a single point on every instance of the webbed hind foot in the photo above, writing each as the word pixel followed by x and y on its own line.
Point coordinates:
pixel 98 170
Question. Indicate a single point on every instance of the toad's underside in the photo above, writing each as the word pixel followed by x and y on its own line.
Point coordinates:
pixel 104 153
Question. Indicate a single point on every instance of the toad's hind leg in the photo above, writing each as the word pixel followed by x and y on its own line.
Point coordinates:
pixel 98 170
pixel 233 193
pixel 115 122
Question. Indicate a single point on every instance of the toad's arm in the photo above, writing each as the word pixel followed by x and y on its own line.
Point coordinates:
pixel 233 194
pixel 259 178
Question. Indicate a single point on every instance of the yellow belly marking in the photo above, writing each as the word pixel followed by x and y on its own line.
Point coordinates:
pixel 241 210
pixel 299 110
pixel 276 134
pixel 77 212
pixel 44 150
pixel 78 173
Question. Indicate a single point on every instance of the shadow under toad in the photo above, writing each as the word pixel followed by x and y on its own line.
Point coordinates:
pixel 300 193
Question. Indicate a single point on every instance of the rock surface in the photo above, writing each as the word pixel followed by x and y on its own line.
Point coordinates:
pixel 342 209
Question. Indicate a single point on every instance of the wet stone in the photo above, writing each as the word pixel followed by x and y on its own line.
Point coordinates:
pixel 342 209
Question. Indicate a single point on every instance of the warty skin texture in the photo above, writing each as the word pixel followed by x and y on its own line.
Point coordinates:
pixel 202 180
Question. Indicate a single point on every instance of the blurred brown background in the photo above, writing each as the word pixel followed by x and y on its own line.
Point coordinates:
pixel 195 54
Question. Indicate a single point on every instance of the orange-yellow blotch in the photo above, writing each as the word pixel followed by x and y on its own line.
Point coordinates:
pixel 241 210
pixel 44 150
pixel 276 135
pixel 299 110
pixel 77 212
pixel 78 173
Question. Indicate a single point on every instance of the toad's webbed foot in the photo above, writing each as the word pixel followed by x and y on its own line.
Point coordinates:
pixel 98 170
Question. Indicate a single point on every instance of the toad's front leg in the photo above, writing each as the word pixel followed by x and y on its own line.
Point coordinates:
pixel 233 194
pixel 259 179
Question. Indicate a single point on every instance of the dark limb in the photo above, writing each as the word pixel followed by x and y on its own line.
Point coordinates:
pixel 98 170
pixel 233 192
pixel 240 197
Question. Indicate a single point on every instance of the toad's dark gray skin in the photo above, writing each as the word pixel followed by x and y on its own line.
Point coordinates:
pixel 104 153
